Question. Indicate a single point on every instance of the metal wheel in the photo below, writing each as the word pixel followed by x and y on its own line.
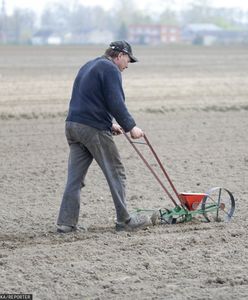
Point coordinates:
pixel 218 205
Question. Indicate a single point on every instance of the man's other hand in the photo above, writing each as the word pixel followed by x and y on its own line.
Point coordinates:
pixel 116 129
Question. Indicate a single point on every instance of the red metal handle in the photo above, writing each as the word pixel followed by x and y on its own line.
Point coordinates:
pixel 151 169
pixel 162 167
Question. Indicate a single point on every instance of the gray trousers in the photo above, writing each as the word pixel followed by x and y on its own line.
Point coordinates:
pixel 87 143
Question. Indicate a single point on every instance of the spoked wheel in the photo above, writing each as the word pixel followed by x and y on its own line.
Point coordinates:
pixel 218 205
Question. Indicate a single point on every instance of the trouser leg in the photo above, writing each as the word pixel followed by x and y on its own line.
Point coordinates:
pixel 78 164
pixel 105 152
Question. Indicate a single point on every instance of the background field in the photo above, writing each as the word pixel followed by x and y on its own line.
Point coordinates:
pixel 192 102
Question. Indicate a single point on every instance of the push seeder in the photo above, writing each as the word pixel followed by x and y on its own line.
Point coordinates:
pixel 217 204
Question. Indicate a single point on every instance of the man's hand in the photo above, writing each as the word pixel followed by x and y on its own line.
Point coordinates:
pixel 136 132
pixel 116 129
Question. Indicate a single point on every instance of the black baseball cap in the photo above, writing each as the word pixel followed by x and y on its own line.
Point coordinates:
pixel 124 47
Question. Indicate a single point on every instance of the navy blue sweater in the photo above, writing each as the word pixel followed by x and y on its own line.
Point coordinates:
pixel 98 97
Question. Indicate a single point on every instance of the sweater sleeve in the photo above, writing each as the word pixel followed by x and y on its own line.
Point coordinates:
pixel 115 98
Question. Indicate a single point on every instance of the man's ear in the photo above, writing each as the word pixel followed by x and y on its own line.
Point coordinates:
pixel 119 55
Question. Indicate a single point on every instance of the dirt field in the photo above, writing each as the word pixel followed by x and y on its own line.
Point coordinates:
pixel 193 105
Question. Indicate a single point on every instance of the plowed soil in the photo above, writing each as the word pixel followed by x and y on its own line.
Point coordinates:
pixel 192 103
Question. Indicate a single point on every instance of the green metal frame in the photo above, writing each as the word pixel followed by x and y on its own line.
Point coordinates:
pixel 179 214
pixel 184 215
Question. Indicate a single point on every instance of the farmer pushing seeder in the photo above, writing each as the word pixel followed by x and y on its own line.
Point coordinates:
pixel 97 99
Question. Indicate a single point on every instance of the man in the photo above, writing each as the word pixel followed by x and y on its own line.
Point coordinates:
pixel 97 98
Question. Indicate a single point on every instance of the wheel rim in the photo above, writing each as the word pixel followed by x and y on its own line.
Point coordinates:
pixel 218 205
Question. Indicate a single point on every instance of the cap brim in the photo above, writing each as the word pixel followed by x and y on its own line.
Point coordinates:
pixel 133 59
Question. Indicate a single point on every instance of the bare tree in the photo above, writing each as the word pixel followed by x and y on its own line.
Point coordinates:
pixel 20 26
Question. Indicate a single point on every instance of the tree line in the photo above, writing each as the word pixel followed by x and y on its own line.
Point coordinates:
pixel 21 25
